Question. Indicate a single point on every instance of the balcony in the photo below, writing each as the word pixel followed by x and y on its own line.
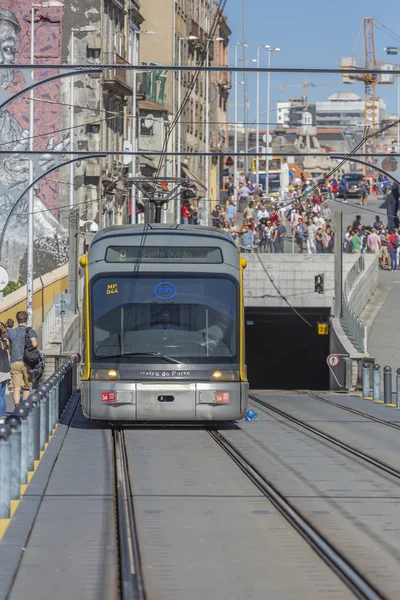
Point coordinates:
pixel 119 82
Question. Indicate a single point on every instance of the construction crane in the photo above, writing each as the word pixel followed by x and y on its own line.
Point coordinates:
pixel 370 80
pixel 304 87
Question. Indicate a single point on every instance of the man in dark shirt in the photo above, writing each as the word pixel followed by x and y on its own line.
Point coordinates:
pixel 20 376
pixel 215 215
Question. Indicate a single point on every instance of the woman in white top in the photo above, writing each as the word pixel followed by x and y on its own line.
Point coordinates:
pixel 262 212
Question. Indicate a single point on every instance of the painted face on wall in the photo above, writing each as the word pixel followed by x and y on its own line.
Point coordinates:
pixel 8 50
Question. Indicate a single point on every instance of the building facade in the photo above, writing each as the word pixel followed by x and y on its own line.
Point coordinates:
pixel 342 109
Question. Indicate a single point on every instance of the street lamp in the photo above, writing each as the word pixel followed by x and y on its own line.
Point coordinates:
pixel 31 231
pixel 235 168
pixel 269 50
pixel 266 47
pixel 188 38
pixel 135 61
pixel 207 129
pixel 86 29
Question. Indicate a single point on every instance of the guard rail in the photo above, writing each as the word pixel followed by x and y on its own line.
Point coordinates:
pixel 352 325
pixel 26 432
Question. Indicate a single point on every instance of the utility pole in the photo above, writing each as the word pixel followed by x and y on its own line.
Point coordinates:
pixel 73 256
pixel 338 263
pixel 246 108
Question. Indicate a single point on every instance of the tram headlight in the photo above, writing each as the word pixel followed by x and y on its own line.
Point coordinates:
pixel 225 376
pixel 105 374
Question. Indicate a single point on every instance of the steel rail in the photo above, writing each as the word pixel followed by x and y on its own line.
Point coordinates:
pixel 329 438
pixel 355 411
pixel 129 555
pixel 361 588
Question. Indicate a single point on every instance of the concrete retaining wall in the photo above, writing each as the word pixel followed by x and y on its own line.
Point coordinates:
pixel 43 297
pixel 294 276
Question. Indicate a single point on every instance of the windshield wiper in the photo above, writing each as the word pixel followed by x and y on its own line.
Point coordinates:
pixel 158 354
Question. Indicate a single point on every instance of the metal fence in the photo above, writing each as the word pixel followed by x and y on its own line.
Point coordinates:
pixel 27 430
pixel 49 324
pixel 353 326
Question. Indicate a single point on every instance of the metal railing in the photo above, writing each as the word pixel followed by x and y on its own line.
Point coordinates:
pixel 352 325
pixel 27 430
pixel 125 77
pixel 49 324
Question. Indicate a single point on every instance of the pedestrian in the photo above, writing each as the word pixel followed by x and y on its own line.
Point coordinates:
pixel 311 231
pixel 356 242
pixel 394 243
pixel 363 192
pixel 231 212
pixel 300 235
pixel 319 236
pixel 326 213
pixel 281 237
pixel 215 216
pixel 343 187
pixel 374 242
pixel 9 324
pixel 357 222
pixel 20 375
pixel 4 370
pixel 186 212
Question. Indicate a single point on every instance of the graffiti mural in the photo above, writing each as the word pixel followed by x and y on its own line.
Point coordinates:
pixel 153 84
pixel 15 25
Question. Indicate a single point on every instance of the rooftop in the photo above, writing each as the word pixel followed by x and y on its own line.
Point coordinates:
pixel 344 97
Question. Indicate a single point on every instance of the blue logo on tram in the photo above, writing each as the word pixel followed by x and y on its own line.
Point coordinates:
pixel 165 290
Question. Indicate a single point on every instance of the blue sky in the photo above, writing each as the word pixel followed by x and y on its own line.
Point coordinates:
pixel 312 33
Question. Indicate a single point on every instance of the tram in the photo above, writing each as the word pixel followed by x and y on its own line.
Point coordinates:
pixel 163 325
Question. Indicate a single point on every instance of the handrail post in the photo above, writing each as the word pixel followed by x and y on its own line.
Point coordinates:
pixel 5 471
pixel 14 423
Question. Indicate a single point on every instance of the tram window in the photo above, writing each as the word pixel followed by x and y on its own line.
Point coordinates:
pixel 191 319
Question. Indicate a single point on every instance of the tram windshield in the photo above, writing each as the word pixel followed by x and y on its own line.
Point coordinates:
pixel 148 320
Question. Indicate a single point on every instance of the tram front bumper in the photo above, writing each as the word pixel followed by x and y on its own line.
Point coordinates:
pixel 169 401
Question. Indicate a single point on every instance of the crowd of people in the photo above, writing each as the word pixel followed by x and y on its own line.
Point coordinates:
pixel 302 216
pixel 21 363
pixel 376 239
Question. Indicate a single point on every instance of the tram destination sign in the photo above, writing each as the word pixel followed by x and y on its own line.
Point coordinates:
pixel 165 254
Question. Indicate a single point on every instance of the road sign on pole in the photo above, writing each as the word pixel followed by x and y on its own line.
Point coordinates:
pixel 333 360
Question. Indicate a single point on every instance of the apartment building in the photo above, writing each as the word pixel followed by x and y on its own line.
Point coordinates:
pixel 101 31
pixel 181 30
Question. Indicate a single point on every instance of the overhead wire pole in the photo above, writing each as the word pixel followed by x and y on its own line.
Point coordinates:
pixel 246 108
pixel 207 135
pixel 29 254
pixel 134 126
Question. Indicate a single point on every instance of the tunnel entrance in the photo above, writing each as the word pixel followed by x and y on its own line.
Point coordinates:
pixel 282 352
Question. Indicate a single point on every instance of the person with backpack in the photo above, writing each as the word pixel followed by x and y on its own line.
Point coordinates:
pixel 394 243
pixel 24 356
pixel 4 371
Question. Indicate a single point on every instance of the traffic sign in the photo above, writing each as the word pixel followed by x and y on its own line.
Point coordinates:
pixel 229 161
pixel 4 278
pixel 333 360
pixel 323 329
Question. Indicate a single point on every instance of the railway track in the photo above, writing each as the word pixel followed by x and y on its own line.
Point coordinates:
pixel 355 411
pixel 329 438
pixel 354 580
pixel 130 577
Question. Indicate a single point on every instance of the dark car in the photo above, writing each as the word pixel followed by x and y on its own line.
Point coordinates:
pixel 353 181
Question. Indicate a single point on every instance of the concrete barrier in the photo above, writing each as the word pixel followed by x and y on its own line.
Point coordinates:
pixel 44 294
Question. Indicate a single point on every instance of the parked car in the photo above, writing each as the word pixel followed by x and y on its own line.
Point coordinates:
pixel 354 181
